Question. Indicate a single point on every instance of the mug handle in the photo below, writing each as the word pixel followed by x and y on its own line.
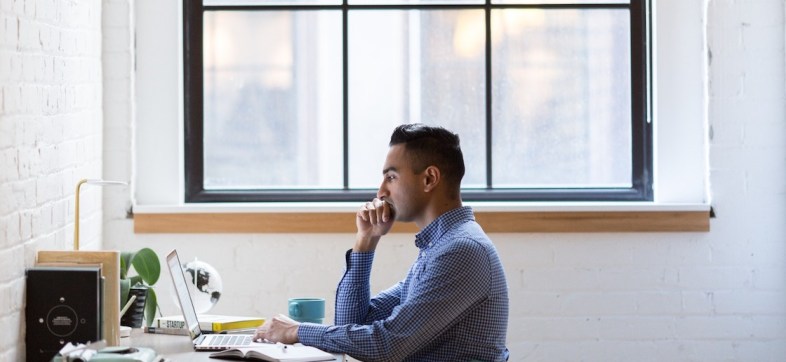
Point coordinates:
pixel 294 309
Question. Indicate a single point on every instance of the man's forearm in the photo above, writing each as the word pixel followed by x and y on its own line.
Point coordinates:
pixel 365 244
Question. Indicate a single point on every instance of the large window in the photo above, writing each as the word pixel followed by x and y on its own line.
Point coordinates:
pixel 295 100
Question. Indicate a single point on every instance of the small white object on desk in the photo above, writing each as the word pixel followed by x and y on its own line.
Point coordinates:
pixel 125 331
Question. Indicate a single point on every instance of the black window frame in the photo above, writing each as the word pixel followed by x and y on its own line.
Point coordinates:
pixel 641 141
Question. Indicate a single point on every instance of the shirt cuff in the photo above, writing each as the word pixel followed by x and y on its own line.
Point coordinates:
pixel 358 267
pixel 310 334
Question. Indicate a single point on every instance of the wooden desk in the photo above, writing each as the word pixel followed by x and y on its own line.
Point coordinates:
pixel 175 348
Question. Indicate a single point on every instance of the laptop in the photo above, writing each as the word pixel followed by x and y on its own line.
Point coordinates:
pixel 202 341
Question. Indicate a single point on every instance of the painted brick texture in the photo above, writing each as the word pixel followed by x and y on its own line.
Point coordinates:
pixel 50 137
pixel 716 296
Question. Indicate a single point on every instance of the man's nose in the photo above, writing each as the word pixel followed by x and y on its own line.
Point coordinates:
pixel 382 193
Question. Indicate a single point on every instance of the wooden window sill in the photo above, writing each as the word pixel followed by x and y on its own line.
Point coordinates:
pixel 493 221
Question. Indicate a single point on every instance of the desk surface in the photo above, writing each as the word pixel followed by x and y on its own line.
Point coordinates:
pixel 175 348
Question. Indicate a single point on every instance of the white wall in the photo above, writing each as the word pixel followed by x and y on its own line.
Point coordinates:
pixel 119 111
pixel 710 296
pixel 50 137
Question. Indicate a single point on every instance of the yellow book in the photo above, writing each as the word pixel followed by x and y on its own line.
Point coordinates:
pixel 211 323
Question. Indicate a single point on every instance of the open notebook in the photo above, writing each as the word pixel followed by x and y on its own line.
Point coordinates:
pixel 276 352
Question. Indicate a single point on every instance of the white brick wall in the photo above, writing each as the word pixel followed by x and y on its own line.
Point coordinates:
pixel 50 137
pixel 601 297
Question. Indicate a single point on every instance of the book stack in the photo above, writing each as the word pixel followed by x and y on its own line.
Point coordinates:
pixel 109 264
pixel 208 323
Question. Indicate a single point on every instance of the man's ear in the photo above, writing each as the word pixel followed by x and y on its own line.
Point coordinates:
pixel 431 178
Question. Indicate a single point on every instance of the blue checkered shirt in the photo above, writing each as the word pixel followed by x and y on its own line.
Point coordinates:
pixel 452 306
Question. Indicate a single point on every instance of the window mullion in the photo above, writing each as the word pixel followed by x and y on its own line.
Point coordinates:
pixel 489 173
pixel 345 86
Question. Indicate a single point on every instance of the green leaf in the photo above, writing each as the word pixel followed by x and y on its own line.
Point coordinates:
pixel 125 263
pixel 148 269
pixel 147 265
pixel 125 286
pixel 134 280
pixel 150 307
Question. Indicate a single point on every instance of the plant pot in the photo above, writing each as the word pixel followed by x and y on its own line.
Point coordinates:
pixel 135 315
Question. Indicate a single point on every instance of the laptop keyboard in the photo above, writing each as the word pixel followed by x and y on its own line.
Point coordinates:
pixel 231 340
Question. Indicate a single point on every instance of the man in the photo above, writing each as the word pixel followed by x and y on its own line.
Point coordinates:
pixel 453 303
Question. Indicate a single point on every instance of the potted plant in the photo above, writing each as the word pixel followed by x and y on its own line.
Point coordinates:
pixel 147 266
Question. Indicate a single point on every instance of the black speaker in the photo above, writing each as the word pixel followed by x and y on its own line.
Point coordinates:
pixel 63 305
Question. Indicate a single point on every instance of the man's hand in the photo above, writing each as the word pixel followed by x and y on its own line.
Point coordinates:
pixel 374 219
pixel 278 329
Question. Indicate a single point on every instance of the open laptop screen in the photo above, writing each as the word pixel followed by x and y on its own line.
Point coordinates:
pixel 181 289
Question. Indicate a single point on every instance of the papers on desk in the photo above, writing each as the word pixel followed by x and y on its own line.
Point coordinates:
pixel 98 351
pixel 275 352
pixel 79 352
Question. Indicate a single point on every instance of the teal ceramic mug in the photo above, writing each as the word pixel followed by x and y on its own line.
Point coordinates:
pixel 311 310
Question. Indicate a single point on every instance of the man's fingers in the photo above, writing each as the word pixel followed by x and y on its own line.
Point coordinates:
pixel 375 212
pixel 365 211
pixel 382 210
pixel 259 334
pixel 386 210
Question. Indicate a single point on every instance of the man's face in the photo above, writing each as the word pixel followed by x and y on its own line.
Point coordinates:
pixel 401 187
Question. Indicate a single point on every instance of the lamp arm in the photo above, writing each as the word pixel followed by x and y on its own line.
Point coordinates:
pixel 76 202
pixel 76 213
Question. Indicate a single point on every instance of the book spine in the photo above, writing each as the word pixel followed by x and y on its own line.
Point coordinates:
pixel 161 330
pixel 168 323
pixel 171 324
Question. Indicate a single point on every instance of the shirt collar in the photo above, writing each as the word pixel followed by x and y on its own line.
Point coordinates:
pixel 441 225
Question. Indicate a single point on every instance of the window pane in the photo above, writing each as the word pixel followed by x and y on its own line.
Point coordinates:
pixel 414 2
pixel 562 98
pixel 272 99
pixel 413 66
pixel 271 2
pixel 535 2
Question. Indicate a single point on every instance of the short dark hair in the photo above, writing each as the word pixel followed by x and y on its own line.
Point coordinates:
pixel 429 145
